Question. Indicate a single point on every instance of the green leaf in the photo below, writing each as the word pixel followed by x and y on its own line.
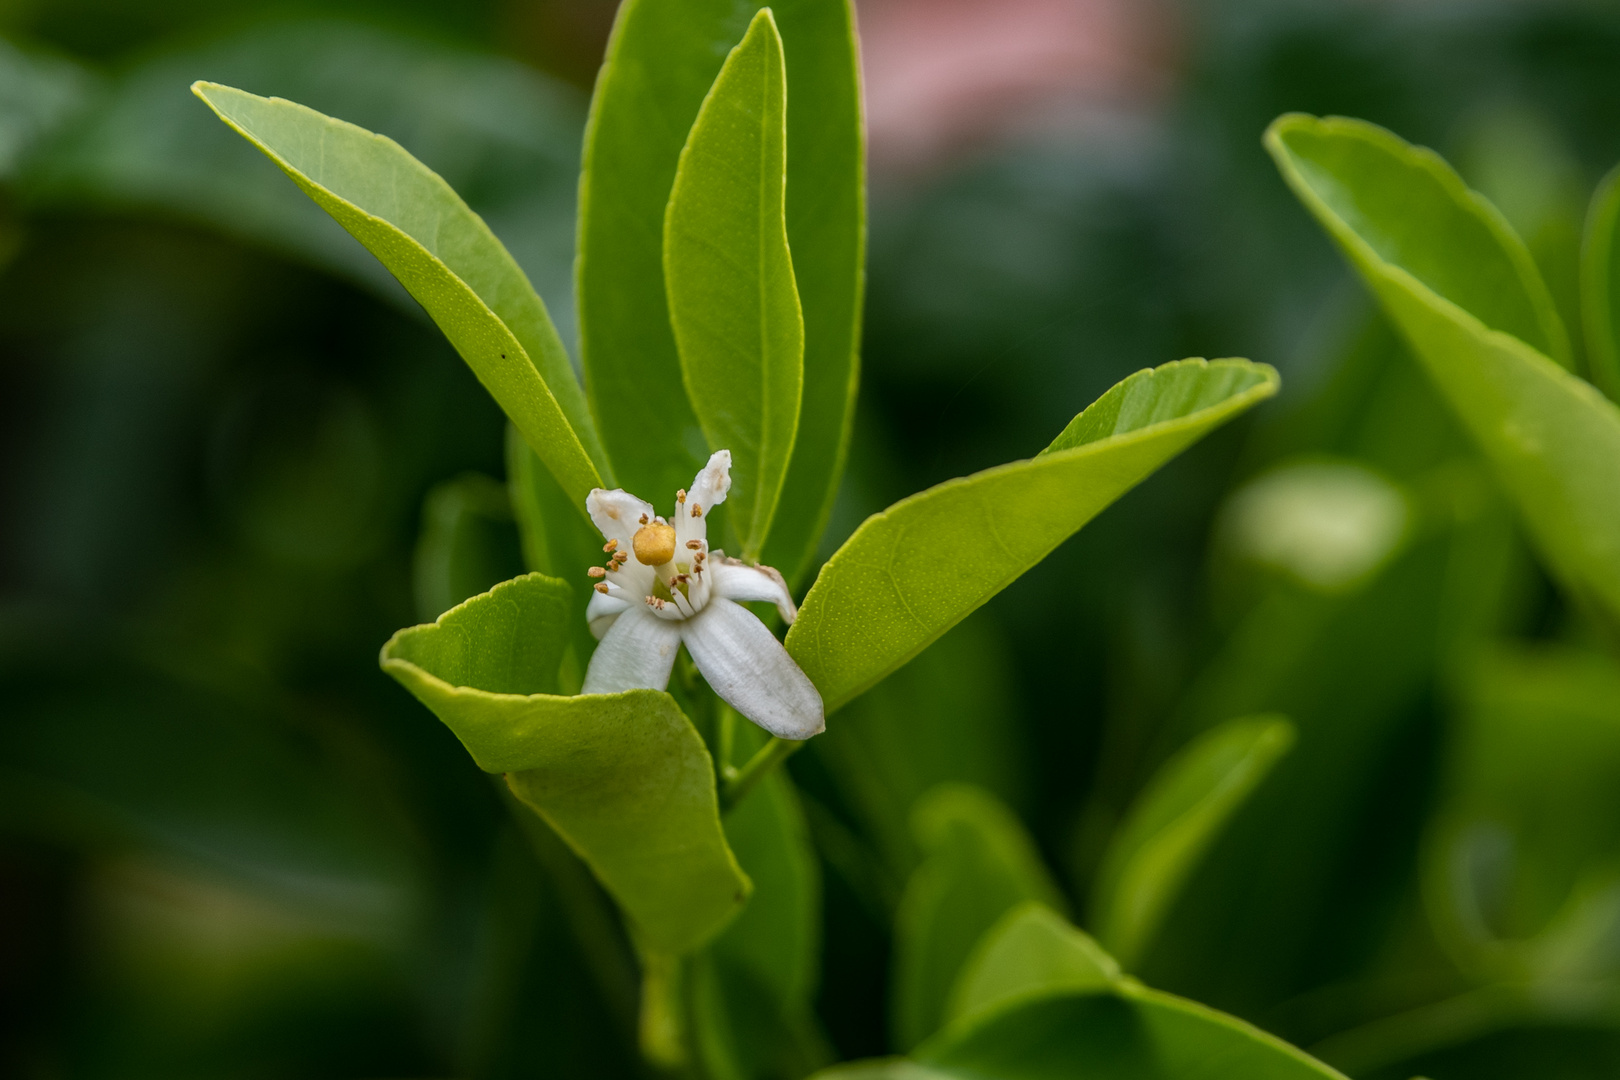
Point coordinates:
pixel 1173 823
pixel 623 778
pixel 1599 281
pixel 979 864
pixel 1460 286
pixel 1522 882
pixel 915 570
pixel 757 981
pixel 661 62
pixel 733 302
pixel 556 541
pixel 1033 950
pixel 1132 1033
pixel 950 715
pixel 467 544
pixel 445 256
pixel 1127 1035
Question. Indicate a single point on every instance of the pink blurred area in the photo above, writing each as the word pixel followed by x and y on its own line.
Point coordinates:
pixel 944 77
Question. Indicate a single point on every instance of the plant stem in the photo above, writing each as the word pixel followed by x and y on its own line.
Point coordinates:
pixel 741 781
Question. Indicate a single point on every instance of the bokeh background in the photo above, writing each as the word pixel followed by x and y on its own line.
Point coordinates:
pixel 234 458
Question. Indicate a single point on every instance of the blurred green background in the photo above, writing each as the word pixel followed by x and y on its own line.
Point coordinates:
pixel 234 457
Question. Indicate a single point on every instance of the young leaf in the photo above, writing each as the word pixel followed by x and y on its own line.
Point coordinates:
pixel 446 257
pixel 661 62
pixel 915 570
pixel 979 864
pixel 733 302
pixel 1459 285
pixel 623 778
pixel 1032 950
pixel 1172 824
pixel 1129 1034
pixel 1599 280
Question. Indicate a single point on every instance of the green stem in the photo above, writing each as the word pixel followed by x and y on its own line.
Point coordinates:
pixel 741 781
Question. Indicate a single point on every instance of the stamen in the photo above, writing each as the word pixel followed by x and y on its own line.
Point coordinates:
pixel 644 519
pixel 694 544
pixel 610 545
pixel 697 511
pixel 601 587
pixel 680 496
pixel 597 571
pixel 621 557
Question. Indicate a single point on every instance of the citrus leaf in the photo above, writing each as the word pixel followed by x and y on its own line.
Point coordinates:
pixel 733 302
pixel 624 779
pixel 979 864
pixel 1461 288
pixel 662 60
pixel 912 572
pixel 1128 1034
pixel 447 259
pixel 1172 825
pixel 1032 950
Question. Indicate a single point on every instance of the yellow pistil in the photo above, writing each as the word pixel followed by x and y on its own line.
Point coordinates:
pixel 654 544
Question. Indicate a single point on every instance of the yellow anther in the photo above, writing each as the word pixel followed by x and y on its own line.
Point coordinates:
pixel 601 587
pixel 610 545
pixel 697 511
pixel 680 496
pixel 654 544
pixel 597 571
pixel 694 544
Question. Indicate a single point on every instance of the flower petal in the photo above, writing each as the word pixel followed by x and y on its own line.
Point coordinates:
pixel 710 485
pixel 736 580
pixel 602 610
pixel 748 667
pixel 618 514
pixel 636 654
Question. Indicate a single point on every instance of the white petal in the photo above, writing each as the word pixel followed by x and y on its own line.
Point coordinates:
pixel 748 667
pixel 636 653
pixel 602 610
pixel 710 485
pixel 617 513
pixel 736 580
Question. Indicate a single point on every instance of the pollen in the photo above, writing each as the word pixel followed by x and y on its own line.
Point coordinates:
pixel 697 511
pixel 694 544
pixel 597 571
pixel 601 587
pixel 654 544
pixel 610 545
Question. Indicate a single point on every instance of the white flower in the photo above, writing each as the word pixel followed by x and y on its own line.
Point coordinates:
pixel 662 587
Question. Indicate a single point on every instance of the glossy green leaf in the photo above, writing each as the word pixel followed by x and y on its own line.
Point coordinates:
pixel 623 778
pixel 979 864
pixel 445 256
pixel 1600 277
pixel 467 545
pixel 661 62
pixel 733 302
pixel 1172 824
pixel 1033 950
pixel 915 570
pixel 1131 1034
pixel 1461 288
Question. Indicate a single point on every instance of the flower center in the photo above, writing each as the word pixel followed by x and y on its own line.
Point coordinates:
pixel 654 544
